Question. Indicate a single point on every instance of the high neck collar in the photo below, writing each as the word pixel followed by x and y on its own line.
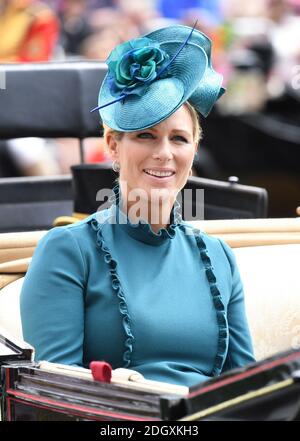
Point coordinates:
pixel 142 231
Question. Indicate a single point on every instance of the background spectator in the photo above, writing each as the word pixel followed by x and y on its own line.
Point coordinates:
pixel 28 33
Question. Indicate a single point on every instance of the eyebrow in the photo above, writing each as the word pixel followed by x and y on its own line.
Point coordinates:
pixel 182 131
pixel 152 129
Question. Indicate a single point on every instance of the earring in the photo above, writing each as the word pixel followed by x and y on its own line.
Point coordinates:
pixel 115 166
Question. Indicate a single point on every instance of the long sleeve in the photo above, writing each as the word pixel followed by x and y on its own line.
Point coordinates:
pixel 40 40
pixel 52 299
pixel 240 350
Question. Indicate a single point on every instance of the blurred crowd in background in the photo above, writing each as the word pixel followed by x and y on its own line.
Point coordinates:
pixel 256 46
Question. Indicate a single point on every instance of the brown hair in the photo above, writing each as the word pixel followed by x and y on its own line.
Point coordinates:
pixel 197 130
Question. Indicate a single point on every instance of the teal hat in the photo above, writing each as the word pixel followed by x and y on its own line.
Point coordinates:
pixel 150 77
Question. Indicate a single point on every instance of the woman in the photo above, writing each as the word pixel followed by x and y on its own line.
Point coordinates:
pixel 134 285
pixel 29 31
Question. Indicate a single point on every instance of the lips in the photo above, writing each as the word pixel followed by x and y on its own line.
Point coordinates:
pixel 160 174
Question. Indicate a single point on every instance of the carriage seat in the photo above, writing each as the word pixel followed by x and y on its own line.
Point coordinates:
pixel 268 256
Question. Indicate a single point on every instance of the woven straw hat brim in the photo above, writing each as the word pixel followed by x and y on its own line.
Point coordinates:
pixel 180 33
pixel 162 97
pixel 210 87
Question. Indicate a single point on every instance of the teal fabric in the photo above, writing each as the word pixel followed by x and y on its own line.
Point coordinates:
pixel 182 71
pixel 169 304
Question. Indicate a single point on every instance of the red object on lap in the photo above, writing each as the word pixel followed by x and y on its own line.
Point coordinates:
pixel 101 371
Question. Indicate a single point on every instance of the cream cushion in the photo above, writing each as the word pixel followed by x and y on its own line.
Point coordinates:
pixel 10 318
pixel 270 276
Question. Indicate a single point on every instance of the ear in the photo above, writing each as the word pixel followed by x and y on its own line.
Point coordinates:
pixel 112 145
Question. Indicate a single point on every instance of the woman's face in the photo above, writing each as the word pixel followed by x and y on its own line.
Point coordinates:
pixel 156 158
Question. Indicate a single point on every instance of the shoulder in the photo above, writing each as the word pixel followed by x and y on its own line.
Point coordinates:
pixel 67 239
pixel 217 249
pixel 71 232
pixel 82 227
pixel 211 242
pixel 65 249
pixel 81 235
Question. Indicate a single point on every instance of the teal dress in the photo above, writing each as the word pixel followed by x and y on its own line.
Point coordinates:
pixel 169 305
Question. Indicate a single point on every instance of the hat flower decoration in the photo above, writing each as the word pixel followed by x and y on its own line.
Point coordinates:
pixel 133 65
pixel 150 77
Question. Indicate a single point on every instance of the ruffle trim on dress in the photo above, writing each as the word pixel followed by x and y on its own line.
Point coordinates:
pixel 164 233
pixel 143 225
pixel 218 303
pixel 116 285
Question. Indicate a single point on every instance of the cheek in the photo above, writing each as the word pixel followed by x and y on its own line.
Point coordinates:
pixel 137 158
pixel 131 161
pixel 186 160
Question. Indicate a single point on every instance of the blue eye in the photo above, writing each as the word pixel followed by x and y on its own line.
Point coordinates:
pixel 145 135
pixel 180 138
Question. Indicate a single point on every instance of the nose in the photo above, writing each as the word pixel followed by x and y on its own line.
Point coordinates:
pixel 163 150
